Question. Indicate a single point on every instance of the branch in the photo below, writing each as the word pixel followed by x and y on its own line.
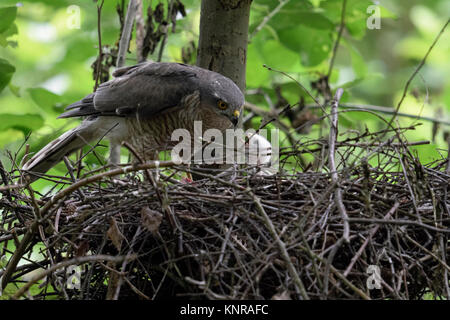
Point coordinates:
pixel 385 110
pixel 336 44
pixel 20 251
pixel 399 222
pixel 300 85
pixel 11 186
pixel 140 32
pixel 126 33
pixel 417 71
pixel 267 18
pixel 100 49
pixel 63 264
pixel 88 180
pixel 369 237
pixel 334 174
pixel 281 246
pixel 164 40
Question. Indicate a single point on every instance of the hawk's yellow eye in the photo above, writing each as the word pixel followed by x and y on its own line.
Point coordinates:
pixel 222 105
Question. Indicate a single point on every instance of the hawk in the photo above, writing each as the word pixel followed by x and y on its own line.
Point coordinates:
pixel 143 105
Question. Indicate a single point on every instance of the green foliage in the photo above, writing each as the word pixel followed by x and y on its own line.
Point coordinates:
pixel 23 122
pixel 8 15
pixel 45 65
pixel 6 73
pixel 313 46
pixel 46 100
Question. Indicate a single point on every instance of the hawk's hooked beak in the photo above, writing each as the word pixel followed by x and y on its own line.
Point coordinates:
pixel 235 117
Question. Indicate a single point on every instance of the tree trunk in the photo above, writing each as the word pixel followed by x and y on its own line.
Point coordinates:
pixel 222 45
pixel 223 39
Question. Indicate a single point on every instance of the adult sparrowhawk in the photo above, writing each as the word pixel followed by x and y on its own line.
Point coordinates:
pixel 143 105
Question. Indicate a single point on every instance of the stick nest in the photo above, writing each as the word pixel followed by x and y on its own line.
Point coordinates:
pixel 150 234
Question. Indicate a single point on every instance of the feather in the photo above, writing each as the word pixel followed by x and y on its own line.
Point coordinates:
pixel 62 146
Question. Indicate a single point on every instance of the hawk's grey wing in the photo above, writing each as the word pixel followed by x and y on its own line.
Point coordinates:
pixel 147 89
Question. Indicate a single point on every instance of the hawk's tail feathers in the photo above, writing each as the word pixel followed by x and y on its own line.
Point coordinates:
pixel 56 150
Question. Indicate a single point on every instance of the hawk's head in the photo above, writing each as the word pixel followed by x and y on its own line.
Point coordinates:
pixel 223 96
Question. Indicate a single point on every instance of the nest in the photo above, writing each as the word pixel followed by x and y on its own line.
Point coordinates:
pixel 376 228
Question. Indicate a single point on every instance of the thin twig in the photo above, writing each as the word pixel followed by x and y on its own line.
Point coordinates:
pixel 281 246
pixel 166 32
pixel 369 237
pixel 140 32
pixel 334 174
pixel 88 180
pixel 267 18
pixel 63 264
pixel 416 71
pixel 338 39
pixel 385 110
pixel 100 48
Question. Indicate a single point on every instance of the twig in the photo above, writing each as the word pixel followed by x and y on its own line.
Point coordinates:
pixel 281 246
pixel 70 169
pixel 11 187
pixel 126 33
pixel 151 179
pixel 5 182
pixel 369 237
pixel 267 18
pixel 100 48
pixel 136 290
pixel 398 222
pixel 422 62
pixel 338 39
pixel 88 180
pixel 20 250
pixel 124 265
pixel 445 265
pixel 334 174
pixel 140 32
pixel 300 85
pixel 164 40
pixel 63 264
pixel 385 110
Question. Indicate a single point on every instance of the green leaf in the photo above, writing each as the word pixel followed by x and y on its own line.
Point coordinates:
pixel 6 73
pixel 46 100
pixel 313 45
pixel 53 3
pixel 357 28
pixel 12 30
pixel 355 14
pixel 257 75
pixel 14 89
pixel 358 63
pixel 22 122
pixel 284 59
pixel 386 13
pixel 315 3
pixel 7 17
pixel 293 18
pixel 351 84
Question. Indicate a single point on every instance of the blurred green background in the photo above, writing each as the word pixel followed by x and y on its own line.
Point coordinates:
pixel 45 63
